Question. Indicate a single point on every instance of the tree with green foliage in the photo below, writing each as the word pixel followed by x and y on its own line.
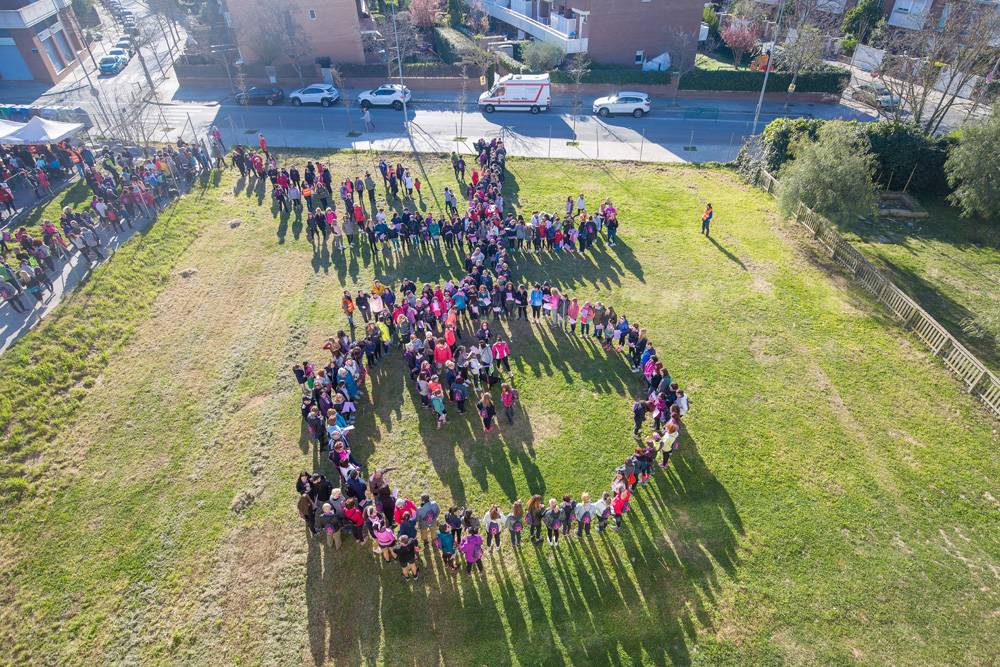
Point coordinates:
pixel 972 170
pixel 456 12
pixel 542 56
pixel 711 19
pixel 832 175
pixel 861 19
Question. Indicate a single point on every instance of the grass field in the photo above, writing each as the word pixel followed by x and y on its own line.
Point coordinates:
pixel 836 500
pixel 950 265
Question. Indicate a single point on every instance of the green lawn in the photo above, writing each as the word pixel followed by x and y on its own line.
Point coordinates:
pixel 949 264
pixel 835 500
pixel 709 62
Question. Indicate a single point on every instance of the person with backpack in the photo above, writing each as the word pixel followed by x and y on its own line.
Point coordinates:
pixel 427 515
pixel 508 396
pixel 445 542
pixel 552 518
pixel 585 513
pixel 472 549
pixel 493 524
pixel 515 523
pixel 567 512
pixel 487 411
pixel 619 506
pixel 534 516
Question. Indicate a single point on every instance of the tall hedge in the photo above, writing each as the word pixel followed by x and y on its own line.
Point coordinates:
pixel 900 149
pixel 833 80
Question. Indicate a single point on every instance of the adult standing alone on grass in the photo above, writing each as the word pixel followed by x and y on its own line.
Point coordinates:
pixel 706 219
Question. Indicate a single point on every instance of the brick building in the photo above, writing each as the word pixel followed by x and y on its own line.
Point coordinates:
pixel 609 31
pixel 299 29
pixel 39 40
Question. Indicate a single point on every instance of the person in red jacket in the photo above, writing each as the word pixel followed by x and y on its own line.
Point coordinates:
pixel 619 505
pixel 355 520
pixel 442 353
pixel 404 505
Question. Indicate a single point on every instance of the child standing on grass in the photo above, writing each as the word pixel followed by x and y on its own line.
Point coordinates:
pixel 453 519
pixel 493 522
pixel 406 552
pixel 620 505
pixel 515 523
pixel 551 518
pixel 446 543
pixel 533 514
pixel 507 397
pixel 437 402
pixel 487 411
pixel 603 512
pixel 567 511
pixel 472 549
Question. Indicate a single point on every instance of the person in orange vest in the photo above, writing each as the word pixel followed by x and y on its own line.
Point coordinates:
pixel 706 219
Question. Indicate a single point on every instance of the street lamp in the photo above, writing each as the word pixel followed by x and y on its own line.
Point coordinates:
pixel 399 62
pixel 767 69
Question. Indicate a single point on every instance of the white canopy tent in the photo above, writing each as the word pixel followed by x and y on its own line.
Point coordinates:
pixel 8 127
pixel 41 131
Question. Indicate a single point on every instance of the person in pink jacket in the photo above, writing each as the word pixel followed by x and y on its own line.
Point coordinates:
pixel 572 313
pixel 472 549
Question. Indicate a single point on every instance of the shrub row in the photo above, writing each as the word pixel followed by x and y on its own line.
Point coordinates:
pixel 409 69
pixel 832 80
pixel 615 74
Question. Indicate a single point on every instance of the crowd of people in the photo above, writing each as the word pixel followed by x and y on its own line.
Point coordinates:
pixel 346 212
pixel 455 360
pixel 124 188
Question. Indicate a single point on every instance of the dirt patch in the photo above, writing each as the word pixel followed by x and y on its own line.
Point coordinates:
pixel 759 349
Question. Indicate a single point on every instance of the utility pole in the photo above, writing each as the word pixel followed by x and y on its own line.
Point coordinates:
pixel 767 70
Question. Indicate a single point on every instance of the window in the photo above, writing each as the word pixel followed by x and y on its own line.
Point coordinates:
pixel 640 57
pixel 312 14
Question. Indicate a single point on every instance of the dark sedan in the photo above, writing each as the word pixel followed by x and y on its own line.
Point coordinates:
pixel 268 96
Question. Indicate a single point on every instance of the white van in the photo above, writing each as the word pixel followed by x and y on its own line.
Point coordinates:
pixel 518 92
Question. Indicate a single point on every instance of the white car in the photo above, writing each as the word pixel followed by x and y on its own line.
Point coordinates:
pixel 876 95
pixel 387 95
pixel 318 93
pixel 120 52
pixel 628 102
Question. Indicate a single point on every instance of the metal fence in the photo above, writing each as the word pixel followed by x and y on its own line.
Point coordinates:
pixel 977 379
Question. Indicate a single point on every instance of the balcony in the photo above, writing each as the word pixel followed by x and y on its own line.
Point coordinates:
pixel 30 15
pixel 557 33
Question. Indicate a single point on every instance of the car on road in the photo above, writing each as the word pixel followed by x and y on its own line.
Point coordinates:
pixel 876 95
pixel 125 43
pixel 625 102
pixel 112 64
pixel 255 95
pixel 318 93
pixel 387 95
pixel 119 51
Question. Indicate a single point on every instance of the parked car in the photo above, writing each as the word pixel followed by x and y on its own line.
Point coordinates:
pixel 636 104
pixel 112 64
pixel 118 51
pixel 255 95
pixel 876 95
pixel 387 95
pixel 125 43
pixel 317 93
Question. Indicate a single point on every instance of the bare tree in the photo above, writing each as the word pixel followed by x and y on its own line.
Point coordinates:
pixel 682 46
pixel 426 13
pixel 406 37
pixel 477 19
pixel 578 66
pixel 338 80
pixel 930 69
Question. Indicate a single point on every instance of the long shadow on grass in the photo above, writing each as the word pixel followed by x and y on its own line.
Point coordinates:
pixel 635 596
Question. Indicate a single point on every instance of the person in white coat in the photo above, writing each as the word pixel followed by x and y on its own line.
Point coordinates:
pixel 493 524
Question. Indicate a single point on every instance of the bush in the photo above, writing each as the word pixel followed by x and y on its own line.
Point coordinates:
pixel 409 69
pixel 899 150
pixel 832 175
pixel 711 19
pixel 861 19
pixel 619 74
pixel 454 42
pixel 821 80
pixel 975 183
pixel 848 44
pixel 541 56
pixel 443 47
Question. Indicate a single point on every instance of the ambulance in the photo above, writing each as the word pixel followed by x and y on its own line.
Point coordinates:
pixel 518 92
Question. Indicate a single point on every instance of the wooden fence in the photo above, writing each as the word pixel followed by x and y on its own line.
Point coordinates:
pixel 977 379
